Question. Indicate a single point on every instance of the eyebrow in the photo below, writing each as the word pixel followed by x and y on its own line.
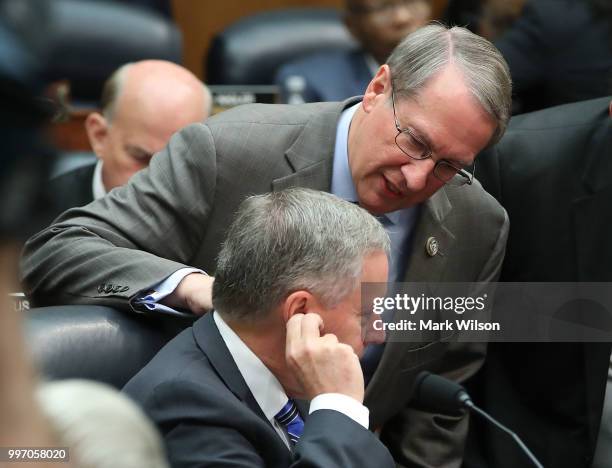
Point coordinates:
pixel 434 150
pixel 138 149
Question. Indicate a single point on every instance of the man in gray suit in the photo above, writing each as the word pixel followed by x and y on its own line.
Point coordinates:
pixel 398 151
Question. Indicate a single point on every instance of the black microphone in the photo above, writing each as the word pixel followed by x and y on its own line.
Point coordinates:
pixel 443 395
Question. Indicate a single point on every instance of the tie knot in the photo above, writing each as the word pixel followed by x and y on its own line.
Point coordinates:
pixel 289 418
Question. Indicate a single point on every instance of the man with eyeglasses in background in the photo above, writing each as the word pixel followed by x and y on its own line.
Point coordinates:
pixel 377 26
pixel 442 97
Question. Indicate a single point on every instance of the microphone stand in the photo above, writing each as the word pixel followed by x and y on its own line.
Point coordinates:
pixel 469 404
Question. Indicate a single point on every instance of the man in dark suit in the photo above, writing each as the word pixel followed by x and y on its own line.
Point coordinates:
pixel 552 172
pixel 337 75
pixel 142 105
pixel 400 151
pixel 559 51
pixel 286 326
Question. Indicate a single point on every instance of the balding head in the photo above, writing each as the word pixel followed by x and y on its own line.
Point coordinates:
pixel 143 104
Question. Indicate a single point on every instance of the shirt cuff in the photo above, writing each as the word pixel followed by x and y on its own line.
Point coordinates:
pixel 150 299
pixel 343 404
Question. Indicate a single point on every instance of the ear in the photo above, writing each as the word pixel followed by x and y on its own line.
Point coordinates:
pixel 299 302
pixel 379 88
pixel 96 127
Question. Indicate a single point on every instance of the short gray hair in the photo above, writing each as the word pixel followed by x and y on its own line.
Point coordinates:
pixel 102 427
pixel 431 48
pixel 287 241
pixel 111 91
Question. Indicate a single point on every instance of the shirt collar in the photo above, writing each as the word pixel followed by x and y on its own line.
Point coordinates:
pixel 342 181
pixel 97 186
pixel 262 383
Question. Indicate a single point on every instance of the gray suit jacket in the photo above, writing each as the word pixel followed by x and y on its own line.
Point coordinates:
pixel 176 212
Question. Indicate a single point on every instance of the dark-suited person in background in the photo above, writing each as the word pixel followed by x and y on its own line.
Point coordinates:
pixel 285 326
pixel 559 51
pixel 552 172
pixel 378 26
pixel 401 151
pixel 142 105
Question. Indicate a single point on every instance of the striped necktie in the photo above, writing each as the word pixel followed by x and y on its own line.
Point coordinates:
pixel 289 418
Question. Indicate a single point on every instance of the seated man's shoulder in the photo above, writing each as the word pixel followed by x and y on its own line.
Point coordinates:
pixel 71 188
pixel 180 365
pixel 574 114
pixel 83 173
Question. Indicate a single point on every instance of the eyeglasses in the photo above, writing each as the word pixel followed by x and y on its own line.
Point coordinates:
pixel 385 10
pixel 414 148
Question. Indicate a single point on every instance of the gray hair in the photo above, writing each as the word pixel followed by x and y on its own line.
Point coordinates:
pixel 431 48
pixel 112 90
pixel 102 427
pixel 114 84
pixel 287 241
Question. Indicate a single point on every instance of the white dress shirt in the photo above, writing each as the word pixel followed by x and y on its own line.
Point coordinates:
pixel 268 391
pixel 97 186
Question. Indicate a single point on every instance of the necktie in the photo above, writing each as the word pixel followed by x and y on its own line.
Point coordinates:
pixel 289 418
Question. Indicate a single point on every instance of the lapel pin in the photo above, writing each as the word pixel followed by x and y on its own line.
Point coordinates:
pixel 431 246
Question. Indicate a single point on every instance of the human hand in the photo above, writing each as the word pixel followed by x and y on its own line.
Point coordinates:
pixel 321 364
pixel 194 293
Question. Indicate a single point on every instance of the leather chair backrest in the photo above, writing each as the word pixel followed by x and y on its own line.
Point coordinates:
pixel 251 50
pixel 162 7
pixel 92 39
pixel 94 342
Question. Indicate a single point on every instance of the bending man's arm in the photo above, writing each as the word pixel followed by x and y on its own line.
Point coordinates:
pixel 119 246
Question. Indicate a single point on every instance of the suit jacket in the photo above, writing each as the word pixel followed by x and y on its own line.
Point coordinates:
pixel 72 188
pixel 558 51
pixel 198 398
pixel 176 212
pixel 329 76
pixel 552 171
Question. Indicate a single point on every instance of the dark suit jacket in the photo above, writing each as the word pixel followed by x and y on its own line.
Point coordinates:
pixel 329 76
pixel 72 188
pixel 558 52
pixel 196 395
pixel 552 171
pixel 175 214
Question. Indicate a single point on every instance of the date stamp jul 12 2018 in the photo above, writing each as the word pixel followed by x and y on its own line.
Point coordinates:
pixel 34 454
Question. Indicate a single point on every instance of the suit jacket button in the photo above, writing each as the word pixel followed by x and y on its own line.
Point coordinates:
pixel 431 246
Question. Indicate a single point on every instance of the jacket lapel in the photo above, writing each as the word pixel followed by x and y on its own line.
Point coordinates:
pixel 311 155
pixel 400 356
pixel 593 258
pixel 209 340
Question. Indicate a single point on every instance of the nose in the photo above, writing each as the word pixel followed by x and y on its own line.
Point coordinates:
pixel 416 173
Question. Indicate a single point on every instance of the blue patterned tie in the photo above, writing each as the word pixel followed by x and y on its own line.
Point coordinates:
pixel 289 418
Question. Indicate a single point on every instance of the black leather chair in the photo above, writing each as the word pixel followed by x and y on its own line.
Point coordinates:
pixel 162 7
pixel 250 51
pixel 92 39
pixel 94 342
